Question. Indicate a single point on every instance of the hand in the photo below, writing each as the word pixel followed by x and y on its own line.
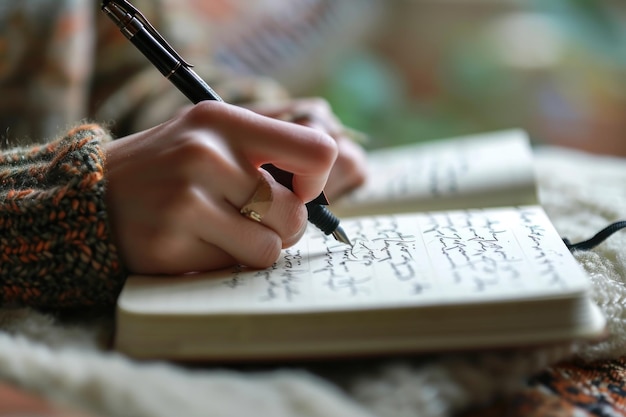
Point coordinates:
pixel 174 191
pixel 349 171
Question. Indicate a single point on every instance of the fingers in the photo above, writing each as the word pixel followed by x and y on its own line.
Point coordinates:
pixel 307 153
pixel 174 192
pixel 254 243
pixel 182 214
pixel 349 170
pixel 285 214
pixel 226 237
pixel 312 112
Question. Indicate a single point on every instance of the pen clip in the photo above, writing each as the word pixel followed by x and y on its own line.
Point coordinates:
pixel 131 10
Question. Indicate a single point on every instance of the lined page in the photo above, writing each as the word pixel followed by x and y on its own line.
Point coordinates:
pixel 409 259
pixel 471 171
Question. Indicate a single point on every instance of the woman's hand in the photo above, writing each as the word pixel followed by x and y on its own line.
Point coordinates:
pixel 175 191
pixel 349 171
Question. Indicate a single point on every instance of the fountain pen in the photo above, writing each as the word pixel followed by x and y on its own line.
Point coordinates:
pixel 152 45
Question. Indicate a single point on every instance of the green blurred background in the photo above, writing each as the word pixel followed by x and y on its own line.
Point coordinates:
pixel 424 69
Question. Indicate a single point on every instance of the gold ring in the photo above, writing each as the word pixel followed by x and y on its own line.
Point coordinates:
pixel 259 204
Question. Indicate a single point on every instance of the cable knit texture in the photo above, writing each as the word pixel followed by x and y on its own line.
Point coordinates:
pixel 55 245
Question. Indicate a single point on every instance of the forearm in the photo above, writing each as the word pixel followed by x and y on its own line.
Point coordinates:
pixel 55 243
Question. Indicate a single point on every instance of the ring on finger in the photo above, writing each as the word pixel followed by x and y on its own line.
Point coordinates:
pixel 259 204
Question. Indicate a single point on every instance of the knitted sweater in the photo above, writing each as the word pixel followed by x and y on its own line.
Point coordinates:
pixel 55 242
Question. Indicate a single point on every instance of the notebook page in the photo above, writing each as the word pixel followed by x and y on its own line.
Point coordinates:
pixel 425 258
pixel 495 166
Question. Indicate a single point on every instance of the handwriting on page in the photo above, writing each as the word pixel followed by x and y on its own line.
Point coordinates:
pixel 434 174
pixel 429 174
pixel 441 170
pixel 508 251
pixel 428 257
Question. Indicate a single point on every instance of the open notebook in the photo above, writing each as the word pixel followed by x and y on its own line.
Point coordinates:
pixel 412 282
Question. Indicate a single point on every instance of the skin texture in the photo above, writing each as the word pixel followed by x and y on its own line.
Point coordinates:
pixel 174 191
pixel 349 170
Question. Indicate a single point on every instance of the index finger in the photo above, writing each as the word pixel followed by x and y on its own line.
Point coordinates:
pixel 307 153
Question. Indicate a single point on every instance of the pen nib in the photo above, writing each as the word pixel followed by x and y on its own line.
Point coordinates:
pixel 341 236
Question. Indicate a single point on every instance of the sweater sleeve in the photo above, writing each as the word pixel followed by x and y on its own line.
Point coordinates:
pixel 56 248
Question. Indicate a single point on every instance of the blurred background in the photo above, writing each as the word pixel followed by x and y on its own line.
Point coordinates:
pixel 414 70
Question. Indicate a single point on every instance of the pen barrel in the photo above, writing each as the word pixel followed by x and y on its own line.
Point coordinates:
pixel 183 77
pixel 160 57
pixel 322 218
pixel 192 86
pixel 317 212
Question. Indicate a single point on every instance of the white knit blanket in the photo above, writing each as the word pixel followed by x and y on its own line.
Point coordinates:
pixel 581 193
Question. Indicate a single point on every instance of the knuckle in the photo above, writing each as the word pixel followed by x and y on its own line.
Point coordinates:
pixel 202 152
pixel 210 113
pixel 204 112
pixel 194 146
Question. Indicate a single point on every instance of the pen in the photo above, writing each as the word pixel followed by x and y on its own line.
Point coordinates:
pixel 146 38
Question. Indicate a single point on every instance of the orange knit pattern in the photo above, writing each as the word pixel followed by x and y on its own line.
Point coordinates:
pixel 572 389
pixel 55 242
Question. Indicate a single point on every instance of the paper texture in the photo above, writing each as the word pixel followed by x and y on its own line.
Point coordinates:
pixel 426 258
pixel 487 170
